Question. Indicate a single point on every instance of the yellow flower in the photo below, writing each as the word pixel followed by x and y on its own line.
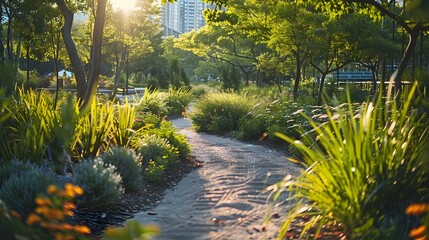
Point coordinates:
pixel 82 229
pixel 52 189
pixel 418 232
pixel 33 218
pixel 43 201
pixel 417 208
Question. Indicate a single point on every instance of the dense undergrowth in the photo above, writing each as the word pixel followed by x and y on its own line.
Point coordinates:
pixel 109 150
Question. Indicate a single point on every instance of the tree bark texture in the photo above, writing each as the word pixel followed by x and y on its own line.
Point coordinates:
pixel 75 60
pixel 96 53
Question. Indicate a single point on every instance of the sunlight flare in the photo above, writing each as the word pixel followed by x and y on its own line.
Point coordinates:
pixel 124 5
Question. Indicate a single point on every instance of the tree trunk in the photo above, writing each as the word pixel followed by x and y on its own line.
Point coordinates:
pixel 373 69
pixel 9 40
pixel 319 96
pixel 96 53
pixel 247 76
pixel 297 76
pixel 2 58
pixel 18 52
pixel 120 62
pixel 28 64
pixel 396 76
pixel 383 73
pixel 75 60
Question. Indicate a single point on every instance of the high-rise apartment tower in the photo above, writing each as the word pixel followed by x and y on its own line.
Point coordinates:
pixel 182 16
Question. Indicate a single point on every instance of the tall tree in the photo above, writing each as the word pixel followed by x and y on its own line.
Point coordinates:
pixel 413 18
pixel 291 34
pixel 132 36
pixel 333 45
pixel 85 89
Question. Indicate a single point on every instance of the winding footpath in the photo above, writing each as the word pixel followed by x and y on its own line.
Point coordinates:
pixel 225 198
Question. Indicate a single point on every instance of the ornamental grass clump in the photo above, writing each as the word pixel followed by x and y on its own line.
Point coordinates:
pixel 220 113
pixel 93 131
pixel 178 100
pixel 363 172
pixel 123 123
pixel 29 129
pixel 153 102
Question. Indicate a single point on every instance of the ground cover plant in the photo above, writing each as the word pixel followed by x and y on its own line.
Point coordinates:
pixel 361 162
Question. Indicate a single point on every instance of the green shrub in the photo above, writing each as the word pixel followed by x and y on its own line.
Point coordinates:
pixel 157 152
pixel 8 73
pixel 128 166
pixel 101 184
pixel 144 119
pixel 167 131
pixel 155 171
pixel 199 90
pixel 364 172
pixel 20 189
pixel 285 117
pixel 220 112
pixel 153 102
pixel 178 100
pixel 14 167
pixel 252 127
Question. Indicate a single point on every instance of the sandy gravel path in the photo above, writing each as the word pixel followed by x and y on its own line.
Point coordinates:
pixel 223 199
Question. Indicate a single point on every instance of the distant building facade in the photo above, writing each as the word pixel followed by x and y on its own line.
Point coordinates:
pixel 182 16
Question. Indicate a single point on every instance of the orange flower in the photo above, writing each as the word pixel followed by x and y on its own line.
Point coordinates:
pixel 41 210
pixel 62 236
pixel 418 232
pixel 73 190
pixel 69 206
pixel 43 201
pixel 69 213
pixel 417 208
pixel 65 227
pixel 421 238
pixel 78 190
pixel 54 214
pixel 52 189
pixel 48 225
pixel 33 218
pixel 15 214
pixel 82 229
